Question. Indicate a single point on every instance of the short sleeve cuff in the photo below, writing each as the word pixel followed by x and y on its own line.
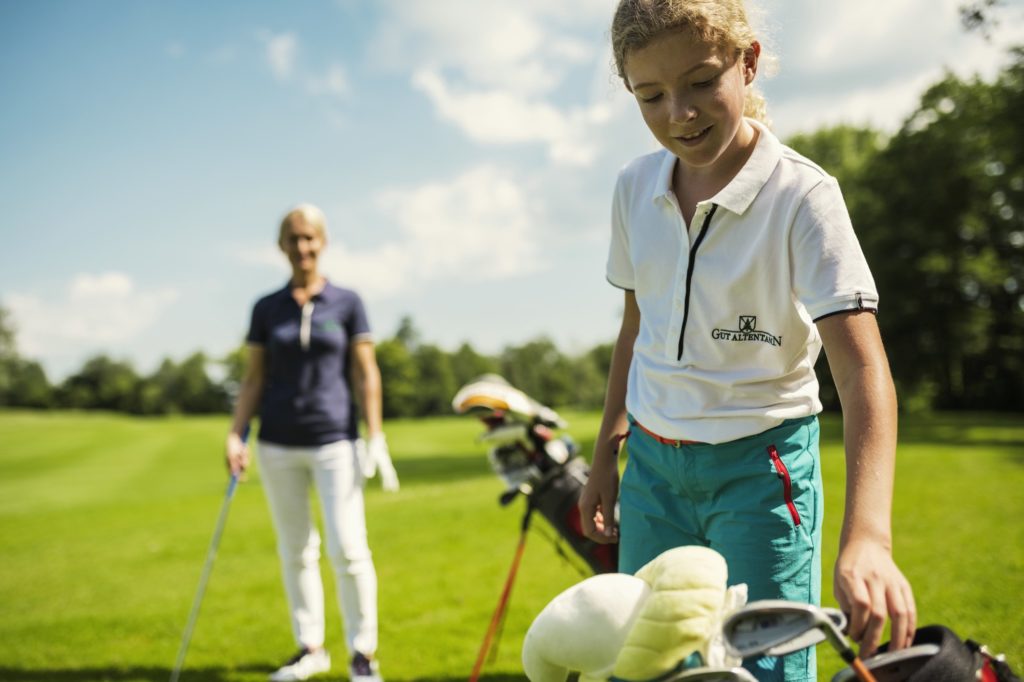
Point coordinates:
pixel 844 304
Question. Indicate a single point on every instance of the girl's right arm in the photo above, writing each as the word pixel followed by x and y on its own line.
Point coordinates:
pixel 597 501
pixel 236 450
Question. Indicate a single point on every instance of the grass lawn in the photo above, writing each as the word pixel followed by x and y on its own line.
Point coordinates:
pixel 105 521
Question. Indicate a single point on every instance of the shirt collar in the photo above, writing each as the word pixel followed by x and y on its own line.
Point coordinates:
pixel 742 189
pixel 325 294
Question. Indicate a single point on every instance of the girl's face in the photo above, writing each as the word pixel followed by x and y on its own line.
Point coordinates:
pixel 302 244
pixel 691 95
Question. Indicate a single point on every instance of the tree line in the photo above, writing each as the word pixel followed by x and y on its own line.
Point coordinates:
pixel 939 210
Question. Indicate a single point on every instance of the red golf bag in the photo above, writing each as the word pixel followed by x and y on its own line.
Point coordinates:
pixel 528 456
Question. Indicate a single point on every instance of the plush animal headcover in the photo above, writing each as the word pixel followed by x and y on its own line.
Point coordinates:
pixel 635 627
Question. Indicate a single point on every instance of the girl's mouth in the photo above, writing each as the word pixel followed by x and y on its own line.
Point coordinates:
pixel 693 138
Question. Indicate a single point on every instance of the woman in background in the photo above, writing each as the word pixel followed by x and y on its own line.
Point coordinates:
pixel 310 361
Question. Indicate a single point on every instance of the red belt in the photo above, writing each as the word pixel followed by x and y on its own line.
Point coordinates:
pixel 674 442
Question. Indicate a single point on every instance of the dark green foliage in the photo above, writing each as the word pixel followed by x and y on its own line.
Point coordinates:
pixel 939 211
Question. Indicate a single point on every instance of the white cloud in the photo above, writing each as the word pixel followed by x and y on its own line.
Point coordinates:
pixel 480 225
pixel 500 116
pixel 870 63
pixel 505 72
pixel 280 54
pixel 94 313
pixel 334 82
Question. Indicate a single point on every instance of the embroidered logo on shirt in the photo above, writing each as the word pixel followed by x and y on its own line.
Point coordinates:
pixel 330 326
pixel 747 331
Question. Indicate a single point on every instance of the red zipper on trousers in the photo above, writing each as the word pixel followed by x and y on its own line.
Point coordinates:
pixel 787 484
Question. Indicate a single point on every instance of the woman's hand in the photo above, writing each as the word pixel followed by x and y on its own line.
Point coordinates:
pixel 236 454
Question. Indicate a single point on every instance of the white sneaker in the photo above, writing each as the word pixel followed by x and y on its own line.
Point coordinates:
pixel 363 669
pixel 303 665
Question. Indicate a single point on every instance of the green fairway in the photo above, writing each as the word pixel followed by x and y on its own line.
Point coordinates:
pixel 106 521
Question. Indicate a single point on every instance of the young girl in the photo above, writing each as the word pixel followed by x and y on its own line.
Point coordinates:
pixel 738 262
pixel 311 361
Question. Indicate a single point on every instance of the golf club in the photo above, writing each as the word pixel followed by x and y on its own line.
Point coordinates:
pixel 204 577
pixel 894 666
pixel 714 675
pixel 810 637
pixel 774 624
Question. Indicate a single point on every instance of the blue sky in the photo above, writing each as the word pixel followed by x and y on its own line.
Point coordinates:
pixel 463 150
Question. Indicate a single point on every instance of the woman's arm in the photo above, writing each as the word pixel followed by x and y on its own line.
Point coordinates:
pixel 597 500
pixel 366 386
pixel 867 583
pixel 249 394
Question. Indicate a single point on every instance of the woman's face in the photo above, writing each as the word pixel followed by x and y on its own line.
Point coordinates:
pixel 691 95
pixel 302 243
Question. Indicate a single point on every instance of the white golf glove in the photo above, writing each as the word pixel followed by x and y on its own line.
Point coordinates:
pixel 374 457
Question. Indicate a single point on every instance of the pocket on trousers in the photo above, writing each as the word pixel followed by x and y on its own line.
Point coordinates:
pixel 786 483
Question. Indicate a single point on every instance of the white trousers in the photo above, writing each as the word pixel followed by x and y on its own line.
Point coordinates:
pixel 288 474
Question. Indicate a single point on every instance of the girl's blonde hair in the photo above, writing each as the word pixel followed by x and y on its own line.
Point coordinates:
pixel 722 23
pixel 310 214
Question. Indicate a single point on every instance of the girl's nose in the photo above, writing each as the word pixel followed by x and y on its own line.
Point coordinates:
pixel 682 110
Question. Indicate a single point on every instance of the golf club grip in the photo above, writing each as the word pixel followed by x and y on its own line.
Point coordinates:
pixel 862 671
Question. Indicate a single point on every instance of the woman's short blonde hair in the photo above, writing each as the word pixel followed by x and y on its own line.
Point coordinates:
pixel 723 23
pixel 310 214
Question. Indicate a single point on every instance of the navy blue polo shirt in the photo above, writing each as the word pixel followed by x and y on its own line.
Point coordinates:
pixel 307 399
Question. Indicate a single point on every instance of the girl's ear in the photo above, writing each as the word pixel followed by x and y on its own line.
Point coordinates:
pixel 750 57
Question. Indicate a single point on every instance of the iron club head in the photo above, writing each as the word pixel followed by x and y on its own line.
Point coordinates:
pixel 775 627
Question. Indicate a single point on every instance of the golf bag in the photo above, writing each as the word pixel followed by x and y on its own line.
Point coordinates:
pixel 936 655
pixel 531 460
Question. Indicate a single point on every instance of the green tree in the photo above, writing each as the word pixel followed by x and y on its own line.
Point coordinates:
pixel 400 379
pixel 101 384
pixel 540 370
pixel 467 365
pixel 436 381
pixel 946 243
pixel 24 384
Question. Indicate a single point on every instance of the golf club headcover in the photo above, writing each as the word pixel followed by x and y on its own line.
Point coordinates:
pixel 583 628
pixel 635 627
pixel 689 597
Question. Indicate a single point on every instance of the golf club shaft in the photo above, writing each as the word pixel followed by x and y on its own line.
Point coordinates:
pixel 861 670
pixel 204 577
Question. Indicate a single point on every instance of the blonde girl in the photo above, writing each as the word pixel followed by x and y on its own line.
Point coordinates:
pixel 738 263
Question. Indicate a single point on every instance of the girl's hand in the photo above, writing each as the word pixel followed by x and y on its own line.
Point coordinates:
pixel 870 587
pixel 236 454
pixel 597 500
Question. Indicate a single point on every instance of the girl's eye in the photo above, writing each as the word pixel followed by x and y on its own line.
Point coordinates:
pixel 651 98
pixel 705 84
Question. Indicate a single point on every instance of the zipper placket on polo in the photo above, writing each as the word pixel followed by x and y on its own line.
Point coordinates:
pixel 306 325
pixel 689 276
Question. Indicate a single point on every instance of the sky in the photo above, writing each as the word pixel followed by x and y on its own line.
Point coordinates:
pixel 464 152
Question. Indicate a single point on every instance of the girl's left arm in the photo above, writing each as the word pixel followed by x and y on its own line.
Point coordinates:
pixel 366 384
pixel 867 583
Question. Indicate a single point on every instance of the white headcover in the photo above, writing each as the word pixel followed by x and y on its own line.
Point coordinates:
pixel 637 627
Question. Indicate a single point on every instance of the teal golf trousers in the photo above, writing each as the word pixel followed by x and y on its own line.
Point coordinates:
pixel 757 501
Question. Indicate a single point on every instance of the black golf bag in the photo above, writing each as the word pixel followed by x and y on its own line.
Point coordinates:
pixel 528 456
pixel 936 655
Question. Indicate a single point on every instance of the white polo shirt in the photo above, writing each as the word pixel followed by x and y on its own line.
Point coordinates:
pixel 727 341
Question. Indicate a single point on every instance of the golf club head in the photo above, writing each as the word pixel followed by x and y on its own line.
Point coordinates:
pixel 776 627
pixel 811 637
pixel 714 675
pixel 893 666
